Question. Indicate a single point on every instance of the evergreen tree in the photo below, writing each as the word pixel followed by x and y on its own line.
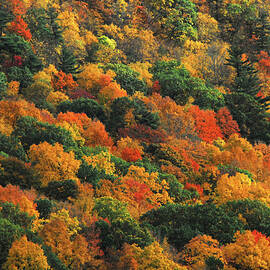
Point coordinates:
pixel 68 62
pixel 263 33
pixel 247 107
pixel 56 34
pixel 5 17
pixel 14 44
pixel 144 116
pixel 3 84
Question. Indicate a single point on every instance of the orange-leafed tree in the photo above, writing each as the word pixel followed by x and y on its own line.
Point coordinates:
pixel 174 119
pixel 130 154
pixel 80 253
pixel 264 62
pixel 13 88
pixel 140 189
pixel 18 7
pixel 84 202
pixel 110 92
pixel 129 149
pixel 25 254
pixel 206 124
pixel 104 80
pixel 93 131
pixel 127 259
pixel 96 134
pixel 80 119
pixel 75 252
pixel 238 152
pixel 159 188
pixel 251 250
pixel 91 236
pixel 64 82
pixel 92 78
pixel 53 163
pixel 226 123
pixel 12 110
pixel 56 97
pixel 137 195
pixel 19 26
pixel 55 235
pixel 24 200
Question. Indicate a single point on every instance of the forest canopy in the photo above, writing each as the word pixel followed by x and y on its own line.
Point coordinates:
pixel 134 134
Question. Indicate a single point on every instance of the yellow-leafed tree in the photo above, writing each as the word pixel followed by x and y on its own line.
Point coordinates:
pixel 53 163
pixel 25 254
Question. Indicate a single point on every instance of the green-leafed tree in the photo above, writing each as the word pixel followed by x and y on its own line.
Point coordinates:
pixel 55 29
pixel 247 107
pixel 83 105
pixel 16 45
pixel 174 19
pixel 14 215
pixel 180 223
pixel 5 17
pixel 16 172
pixel 119 108
pixel 30 131
pixel 3 85
pixel 127 78
pixel 11 146
pixel 8 233
pixel 263 32
pixel 177 83
pixel 62 190
pixel 68 62
pixel 121 227
pixel 44 207
pixel 255 213
pixel 43 23
pixel 144 116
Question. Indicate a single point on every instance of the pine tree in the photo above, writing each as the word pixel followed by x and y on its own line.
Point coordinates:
pixel 247 107
pixel 263 33
pixel 56 34
pixel 5 17
pixel 68 62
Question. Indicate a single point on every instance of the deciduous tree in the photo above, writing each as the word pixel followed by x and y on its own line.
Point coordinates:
pixel 52 163
pixel 25 254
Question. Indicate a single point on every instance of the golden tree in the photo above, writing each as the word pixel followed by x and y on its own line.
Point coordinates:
pixel 24 200
pixel 251 250
pixel 199 249
pixel 53 163
pixel 25 254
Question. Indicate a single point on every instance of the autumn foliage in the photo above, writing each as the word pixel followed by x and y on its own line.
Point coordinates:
pixel 19 26
pixel 24 200
pixel 226 123
pixel 64 82
pixel 134 135
pixel 26 254
pixel 205 124
pixel 53 163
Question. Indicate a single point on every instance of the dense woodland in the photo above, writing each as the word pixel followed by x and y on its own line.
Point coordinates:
pixel 134 134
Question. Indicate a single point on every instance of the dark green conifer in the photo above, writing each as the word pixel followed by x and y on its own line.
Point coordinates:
pixel 247 107
pixel 263 33
pixel 5 17
pixel 57 30
pixel 68 62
